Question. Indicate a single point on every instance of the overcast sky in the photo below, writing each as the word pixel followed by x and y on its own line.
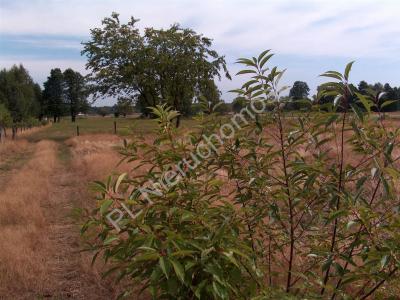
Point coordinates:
pixel 308 37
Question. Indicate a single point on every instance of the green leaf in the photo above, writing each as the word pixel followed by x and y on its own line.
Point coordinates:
pixel 109 240
pixel 332 74
pixel 358 112
pixel 263 62
pixel 246 61
pixel 336 214
pixel 361 181
pixel 263 54
pixel 365 102
pixel 164 265
pixel 231 258
pixel 348 69
pixel 179 270
pixel 183 253
pixel 147 257
pixel 118 182
pixel 105 205
pixel 220 290
pixel 187 215
pixel 339 269
pixel 237 91
pixel 327 264
pixel 199 288
pixel 246 72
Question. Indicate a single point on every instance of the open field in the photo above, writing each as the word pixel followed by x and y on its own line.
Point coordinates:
pixel 95 125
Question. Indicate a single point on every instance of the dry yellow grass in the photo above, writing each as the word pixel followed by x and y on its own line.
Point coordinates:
pixel 39 249
pixel 39 252
pixel 25 244
pixel 94 156
pixel 9 147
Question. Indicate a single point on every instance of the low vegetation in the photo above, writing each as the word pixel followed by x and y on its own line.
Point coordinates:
pixel 277 207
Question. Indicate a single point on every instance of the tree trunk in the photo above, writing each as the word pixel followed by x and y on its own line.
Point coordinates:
pixel 73 118
pixel 178 121
pixel 54 119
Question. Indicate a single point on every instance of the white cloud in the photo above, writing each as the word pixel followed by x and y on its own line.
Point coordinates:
pixel 337 28
pixel 323 33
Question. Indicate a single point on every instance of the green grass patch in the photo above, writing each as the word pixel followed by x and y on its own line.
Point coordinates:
pixel 65 129
pixel 64 153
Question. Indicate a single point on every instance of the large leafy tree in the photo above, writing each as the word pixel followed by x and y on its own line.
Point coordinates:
pixel 54 93
pixel 299 90
pixel 74 91
pixel 161 66
pixel 17 93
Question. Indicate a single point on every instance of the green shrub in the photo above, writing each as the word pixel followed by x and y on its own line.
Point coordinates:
pixel 303 207
pixel 187 243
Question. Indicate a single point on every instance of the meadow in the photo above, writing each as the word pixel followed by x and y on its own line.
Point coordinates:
pixel 65 129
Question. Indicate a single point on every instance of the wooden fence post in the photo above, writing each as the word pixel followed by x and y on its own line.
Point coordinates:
pixel 77 130
pixel 115 127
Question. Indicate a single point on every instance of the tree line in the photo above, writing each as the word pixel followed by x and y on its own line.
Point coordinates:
pixel 299 96
pixel 24 103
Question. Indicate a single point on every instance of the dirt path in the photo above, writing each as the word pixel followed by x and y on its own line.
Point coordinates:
pixel 39 252
pixel 72 280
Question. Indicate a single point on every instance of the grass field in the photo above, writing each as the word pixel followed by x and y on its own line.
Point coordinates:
pixel 96 125
pixel 64 130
